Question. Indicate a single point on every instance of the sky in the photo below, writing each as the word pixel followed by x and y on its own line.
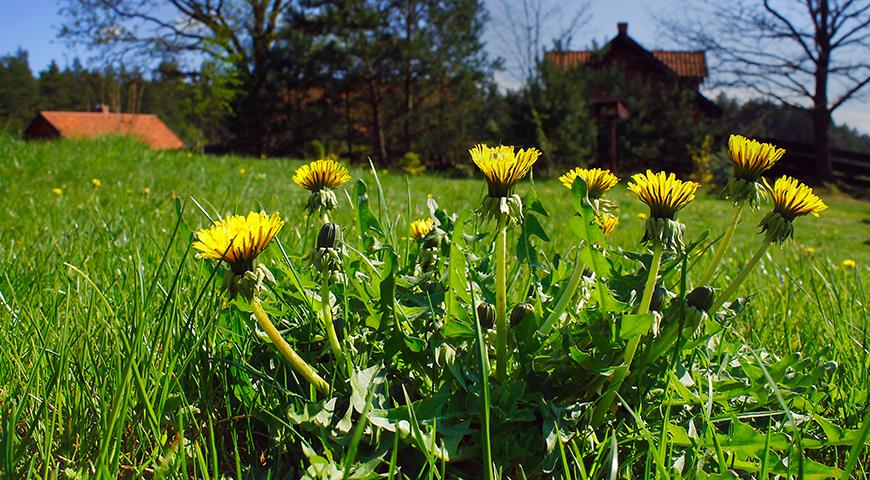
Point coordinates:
pixel 36 22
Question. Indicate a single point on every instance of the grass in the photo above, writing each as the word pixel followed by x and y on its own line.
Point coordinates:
pixel 119 358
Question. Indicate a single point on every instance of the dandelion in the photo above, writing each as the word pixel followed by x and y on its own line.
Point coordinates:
pixel 146 190
pixel 750 159
pixel 598 181
pixel 420 228
pixel 320 178
pixel 503 167
pixel 665 196
pixel 238 239
pixel 791 199
pixel 641 216
pixel 608 223
pixel 809 250
pixel 243 171
pixel 849 263
pixel 57 191
pixel 96 182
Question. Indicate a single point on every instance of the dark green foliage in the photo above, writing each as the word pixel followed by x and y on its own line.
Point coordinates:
pixel 553 113
pixel 18 92
pixel 759 118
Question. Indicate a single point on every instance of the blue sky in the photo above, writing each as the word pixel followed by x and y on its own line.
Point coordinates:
pixel 35 23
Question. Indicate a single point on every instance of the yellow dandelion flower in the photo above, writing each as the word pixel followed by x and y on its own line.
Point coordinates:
pixel 57 191
pixel 608 223
pixel 598 180
pixel 662 193
pixel 242 171
pixel 96 182
pixel 238 239
pixel 641 216
pixel 849 263
pixel 809 250
pixel 503 166
pixel 321 174
pixel 420 228
pixel 752 158
pixel 793 199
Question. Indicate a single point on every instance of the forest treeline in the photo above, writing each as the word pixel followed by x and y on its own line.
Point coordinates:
pixel 427 118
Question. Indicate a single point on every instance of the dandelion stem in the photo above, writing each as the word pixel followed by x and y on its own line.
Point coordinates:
pixel 298 364
pixel 501 298
pixel 732 288
pixel 723 245
pixel 567 295
pixel 326 310
pixel 620 374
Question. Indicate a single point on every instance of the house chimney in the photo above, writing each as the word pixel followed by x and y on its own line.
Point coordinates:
pixel 622 28
pixel 101 108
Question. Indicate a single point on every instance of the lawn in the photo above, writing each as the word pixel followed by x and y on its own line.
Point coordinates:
pixel 118 355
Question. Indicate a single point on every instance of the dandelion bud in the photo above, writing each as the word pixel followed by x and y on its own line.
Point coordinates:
pixel 486 315
pixel 701 298
pixel 329 236
pixel 660 294
pixel 520 313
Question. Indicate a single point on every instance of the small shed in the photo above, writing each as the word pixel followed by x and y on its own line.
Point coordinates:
pixel 147 128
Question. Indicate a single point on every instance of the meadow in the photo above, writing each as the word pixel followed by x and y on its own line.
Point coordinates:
pixel 121 357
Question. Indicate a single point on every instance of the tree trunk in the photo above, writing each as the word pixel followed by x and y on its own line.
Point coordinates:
pixel 380 143
pixel 820 115
pixel 409 101
pixel 822 153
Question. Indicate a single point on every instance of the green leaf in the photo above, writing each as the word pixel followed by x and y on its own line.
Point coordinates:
pixel 387 299
pixel 457 288
pixel 365 218
pixel 635 324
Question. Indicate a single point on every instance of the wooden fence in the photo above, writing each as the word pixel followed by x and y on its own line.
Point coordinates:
pixel 851 169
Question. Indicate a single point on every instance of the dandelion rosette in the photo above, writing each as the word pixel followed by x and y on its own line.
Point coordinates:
pixel 598 181
pixel 320 178
pixel 608 223
pixel 791 199
pixel 665 195
pixel 238 240
pixel 503 167
pixel 751 159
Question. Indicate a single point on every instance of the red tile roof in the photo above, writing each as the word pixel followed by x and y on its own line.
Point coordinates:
pixel 684 64
pixel 147 128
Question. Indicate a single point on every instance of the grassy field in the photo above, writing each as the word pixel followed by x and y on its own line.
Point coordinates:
pixel 119 358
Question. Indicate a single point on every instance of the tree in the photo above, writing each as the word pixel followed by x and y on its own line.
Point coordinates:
pixel 19 91
pixel 810 53
pixel 238 33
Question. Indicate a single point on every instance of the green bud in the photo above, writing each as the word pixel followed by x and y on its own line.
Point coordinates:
pixel 486 315
pixel 740 190
pixel 664 231
pixel 520 313
pixel 322 200
pixel 510 208
pixel 776 228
